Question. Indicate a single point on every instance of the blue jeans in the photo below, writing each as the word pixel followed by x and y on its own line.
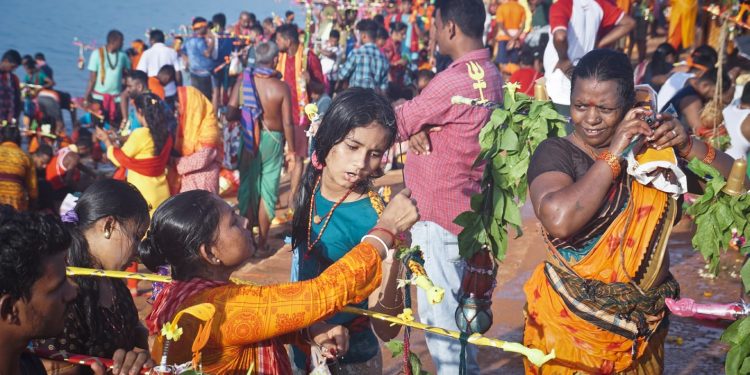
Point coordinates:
pixel 445 267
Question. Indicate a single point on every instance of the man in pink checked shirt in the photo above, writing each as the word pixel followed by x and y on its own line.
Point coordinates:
pixel 444 144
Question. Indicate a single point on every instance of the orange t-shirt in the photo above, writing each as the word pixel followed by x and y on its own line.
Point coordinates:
pixel 512 15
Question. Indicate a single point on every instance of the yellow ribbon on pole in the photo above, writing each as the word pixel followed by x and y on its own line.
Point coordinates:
pixel 535 356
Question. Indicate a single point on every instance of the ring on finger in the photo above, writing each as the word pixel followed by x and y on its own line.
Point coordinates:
pixel 674 133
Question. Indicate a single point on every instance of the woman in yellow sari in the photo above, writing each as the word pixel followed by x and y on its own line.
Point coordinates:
pixel 203 241
pixel 598 300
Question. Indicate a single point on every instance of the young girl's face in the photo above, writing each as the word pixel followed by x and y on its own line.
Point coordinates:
pixel 357 157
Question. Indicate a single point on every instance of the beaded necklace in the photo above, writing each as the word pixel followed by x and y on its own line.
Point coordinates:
pixel 318 219
pixel 586 147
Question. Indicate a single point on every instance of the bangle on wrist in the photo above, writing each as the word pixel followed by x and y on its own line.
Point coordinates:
pixel 689 147
pixel 612 161
pixel 376 238
pixel 393 236
pixel 399 303
pixel 710 154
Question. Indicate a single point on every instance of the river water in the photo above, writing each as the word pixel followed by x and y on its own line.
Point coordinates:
pixel 49 26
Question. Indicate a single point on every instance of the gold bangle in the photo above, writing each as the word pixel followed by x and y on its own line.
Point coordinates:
pixel 612 161
pixel 710 154
pixel 399 303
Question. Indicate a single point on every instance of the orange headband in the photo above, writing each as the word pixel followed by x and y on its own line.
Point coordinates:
pixel 692 64
pixel 198 25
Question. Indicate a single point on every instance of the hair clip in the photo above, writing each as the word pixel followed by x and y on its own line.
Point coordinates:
pixel 153 100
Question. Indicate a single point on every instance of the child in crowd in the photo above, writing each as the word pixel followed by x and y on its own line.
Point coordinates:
pixel 336 206
pixel 424 76
pixel 329 56
pixel 528 72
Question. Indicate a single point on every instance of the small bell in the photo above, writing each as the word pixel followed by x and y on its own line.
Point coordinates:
pixel 540 89
pixel 736 182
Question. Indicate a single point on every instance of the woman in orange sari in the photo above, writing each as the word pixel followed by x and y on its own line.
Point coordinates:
pixel 598 300
pixel 203 241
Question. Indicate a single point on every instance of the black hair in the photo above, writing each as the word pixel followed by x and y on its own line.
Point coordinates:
pixel 268 20
pixel 705 55
pixel 659 64
pixel 219 19
pixel 85 138
pixel 382 33
pixel 289 31
pixel 114 35
pixel 350 109
pixel 369 28
pixel 468 15
pixel 168 70
pixel 711 77
pixel 257 28
pixel 398 27
pixel 27 239
pixel 315 87
pixel 10 133
pixel 29 62
pixel 527 56
pixel 140 76
pixel 425 74
pixel 379 19
pixel 198 19
pixel 104 198
pixel 39 56
pixel 156 36
pixel 154 112
pixel 44 149
pixel 607 65
pixel 288 13
pixel 179 227
pixel 745 98
pixel 334 34
pixel 12 56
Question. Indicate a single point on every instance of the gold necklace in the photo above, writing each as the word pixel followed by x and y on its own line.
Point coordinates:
pixel 586 147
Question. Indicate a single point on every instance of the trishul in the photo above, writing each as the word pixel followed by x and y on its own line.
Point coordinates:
pixel 476 73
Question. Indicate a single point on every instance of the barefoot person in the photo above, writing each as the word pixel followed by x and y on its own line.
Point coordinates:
pixel 266 105
pixel 203 241
pixel 605 231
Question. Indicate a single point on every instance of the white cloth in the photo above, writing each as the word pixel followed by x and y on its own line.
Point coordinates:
pixel 674 83
pixel 328 64
pixel 154 58
pixel 642 172
pixel 582 30
pixel 733 118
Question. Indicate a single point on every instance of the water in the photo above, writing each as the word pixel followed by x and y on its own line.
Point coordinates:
pixel 49 26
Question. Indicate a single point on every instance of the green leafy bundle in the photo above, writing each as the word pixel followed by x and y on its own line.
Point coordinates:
pixel 507 142
pixel 716 214
pixel 396 348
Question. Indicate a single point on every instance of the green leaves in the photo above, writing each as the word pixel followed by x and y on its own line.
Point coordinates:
pixel 507 142
pixel 396 348
pixel 738 338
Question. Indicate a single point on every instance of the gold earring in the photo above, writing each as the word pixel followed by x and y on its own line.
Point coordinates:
pixel 107 234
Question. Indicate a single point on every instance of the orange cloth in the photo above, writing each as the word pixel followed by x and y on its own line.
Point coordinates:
pixel 197 126
pixel 682 23
pixel 579 345
pixel 138 46
pixel 301 86
pixel 512 15
pixel 17 177
pixel 624 5
pixel 155 87
pixel 248 314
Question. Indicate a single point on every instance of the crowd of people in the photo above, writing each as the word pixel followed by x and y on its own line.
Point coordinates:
pixel 175 153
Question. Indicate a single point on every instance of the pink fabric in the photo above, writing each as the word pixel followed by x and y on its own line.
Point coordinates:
pixel 200 171
pixel 170 298
pixel 444 181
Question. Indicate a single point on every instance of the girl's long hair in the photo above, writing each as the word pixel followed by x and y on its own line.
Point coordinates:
pixel 102 199
pixel 157 118
pixel 351 109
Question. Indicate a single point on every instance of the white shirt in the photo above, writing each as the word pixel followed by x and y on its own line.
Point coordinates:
pixel 328 64
pixel 674 83
pixel 154 58
pixel 733 118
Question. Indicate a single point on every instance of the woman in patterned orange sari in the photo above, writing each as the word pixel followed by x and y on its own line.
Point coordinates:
pixel 203 241
pixel 598 300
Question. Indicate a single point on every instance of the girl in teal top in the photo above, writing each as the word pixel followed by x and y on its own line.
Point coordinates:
pixel 335 206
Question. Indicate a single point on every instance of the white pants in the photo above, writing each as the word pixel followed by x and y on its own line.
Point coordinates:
pixel 445 267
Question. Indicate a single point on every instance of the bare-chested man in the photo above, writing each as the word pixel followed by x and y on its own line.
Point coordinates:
pixel 266 104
